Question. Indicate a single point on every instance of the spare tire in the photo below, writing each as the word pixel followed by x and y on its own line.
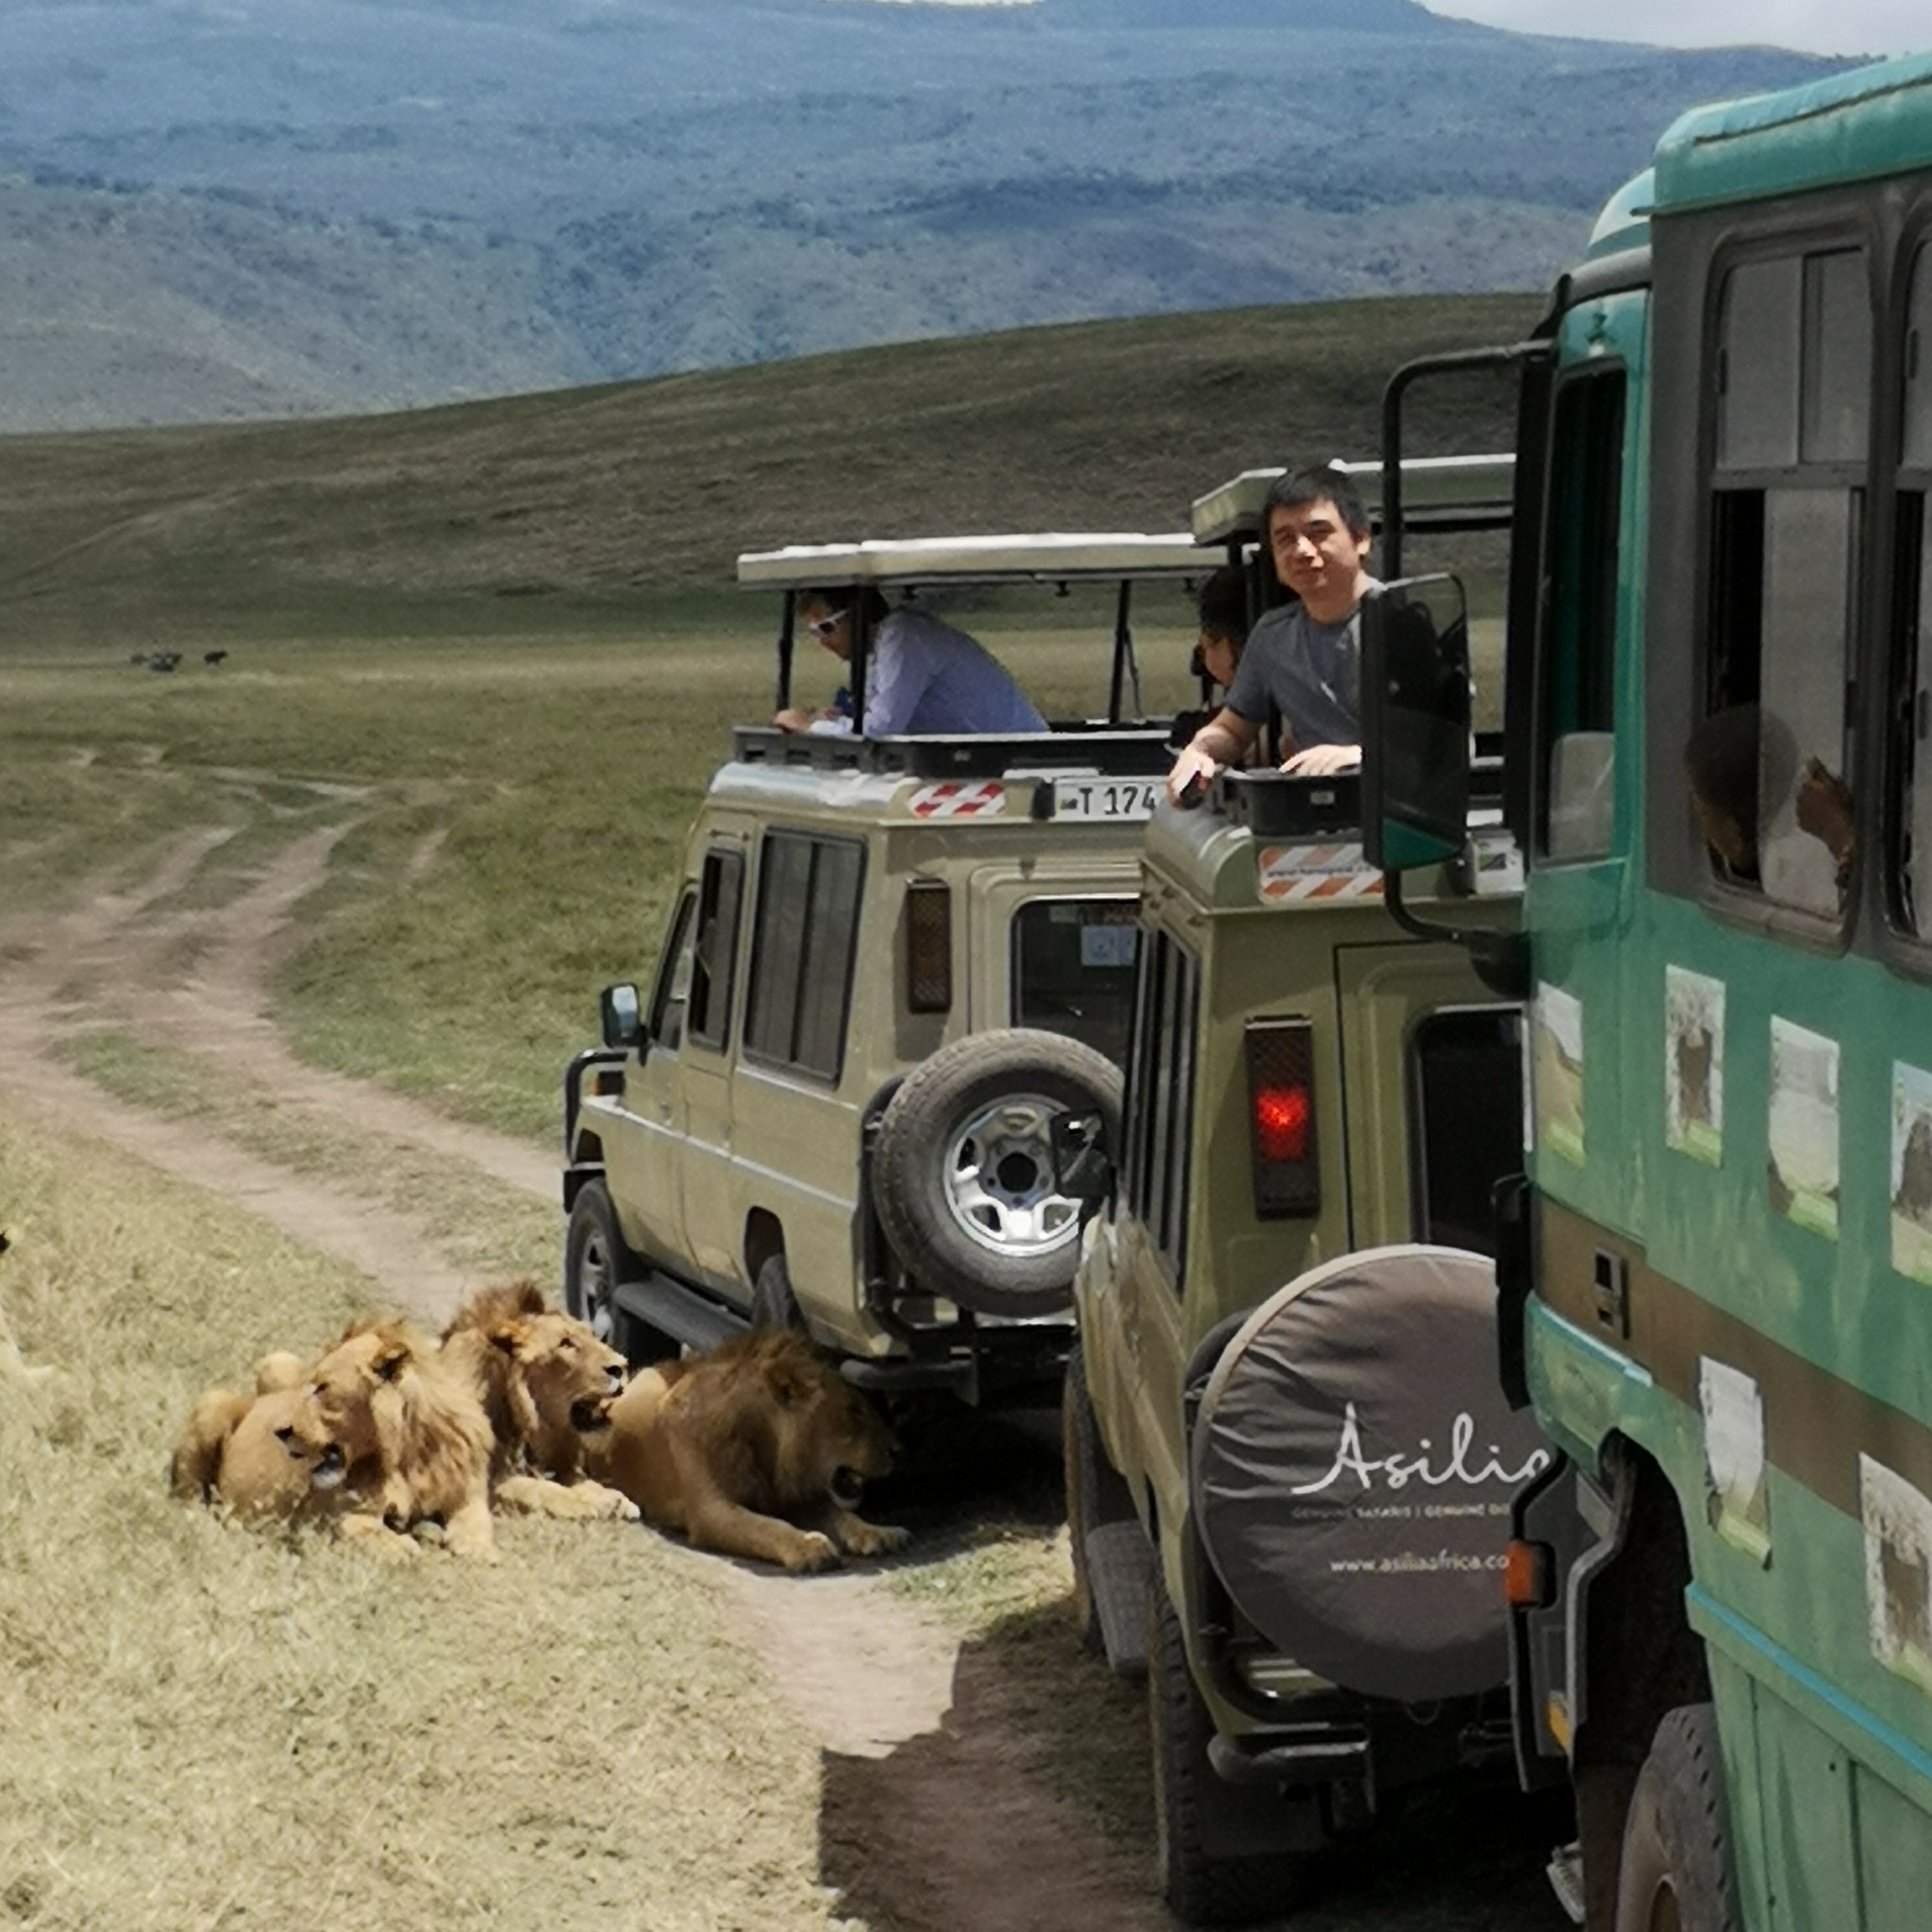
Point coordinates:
pixel 962 1170
pixel 1351 1470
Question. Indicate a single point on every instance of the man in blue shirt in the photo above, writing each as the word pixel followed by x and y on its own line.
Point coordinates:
pixel 1303 661
pixel 921 675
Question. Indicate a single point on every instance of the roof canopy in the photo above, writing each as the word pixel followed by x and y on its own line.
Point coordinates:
pixel 1048 559
pixel 1444 491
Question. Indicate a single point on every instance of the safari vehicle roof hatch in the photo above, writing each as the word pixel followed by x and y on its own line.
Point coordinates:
pixel 909 564
pixel 1438 493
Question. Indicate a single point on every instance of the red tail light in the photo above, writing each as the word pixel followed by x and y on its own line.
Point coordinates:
pixel 928 946
pixel 1281 1118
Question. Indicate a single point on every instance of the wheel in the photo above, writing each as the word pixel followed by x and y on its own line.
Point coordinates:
pixel 1196 1812
pixel 962 1173
pixel 595 1259
pixel 1097 1500
pixel 1676 1871
pixel 773 1303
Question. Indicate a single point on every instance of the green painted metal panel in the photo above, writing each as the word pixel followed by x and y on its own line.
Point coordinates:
pixel 1871 122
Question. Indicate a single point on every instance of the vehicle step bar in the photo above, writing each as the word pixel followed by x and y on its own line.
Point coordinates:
pixel 670 1306
pixel 1309 1761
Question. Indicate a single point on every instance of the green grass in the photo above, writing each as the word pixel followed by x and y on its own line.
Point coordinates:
pixel 574 513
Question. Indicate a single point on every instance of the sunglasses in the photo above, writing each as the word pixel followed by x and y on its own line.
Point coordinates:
pixel 822 627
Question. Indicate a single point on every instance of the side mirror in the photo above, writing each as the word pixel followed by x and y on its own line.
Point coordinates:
pixel 1415 723
pixel 620 1016
pixel 1082 1167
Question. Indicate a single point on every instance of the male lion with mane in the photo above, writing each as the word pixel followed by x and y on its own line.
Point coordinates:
pixel 760 1448
pixel 412 1433
pixel 546 1383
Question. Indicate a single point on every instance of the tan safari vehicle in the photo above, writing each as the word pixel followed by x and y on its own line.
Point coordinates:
pixel 891 964
pixel 1286 1463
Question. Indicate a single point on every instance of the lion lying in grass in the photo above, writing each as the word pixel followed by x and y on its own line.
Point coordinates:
pixel 545 1382
pixel 760 1448
pixel 243 1452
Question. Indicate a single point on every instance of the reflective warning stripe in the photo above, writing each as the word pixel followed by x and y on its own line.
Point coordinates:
pixel 1293 872
pixel 957 799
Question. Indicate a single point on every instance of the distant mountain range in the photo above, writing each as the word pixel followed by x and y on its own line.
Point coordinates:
pixel 214 208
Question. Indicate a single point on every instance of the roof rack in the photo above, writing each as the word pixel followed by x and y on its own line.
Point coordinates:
pixel 1052 557
pixel 1131 751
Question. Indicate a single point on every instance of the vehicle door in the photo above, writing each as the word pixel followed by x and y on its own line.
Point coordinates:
pixel 712 1220
pixel 1055 952
pixel 642 1127
pixel 1432 1067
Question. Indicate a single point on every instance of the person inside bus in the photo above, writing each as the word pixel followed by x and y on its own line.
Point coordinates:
pixel 921 675
pixel 1720 774
pixel 1221 606
pixel 1302 659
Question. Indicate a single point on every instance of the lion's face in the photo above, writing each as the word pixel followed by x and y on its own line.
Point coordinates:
pixel 348 1383
pixel 830 1441
pixel 572 1377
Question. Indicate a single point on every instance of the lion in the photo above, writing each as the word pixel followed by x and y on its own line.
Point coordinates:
pixel 545 1382
pixel 14 1366
pixel 412 1433
pixel 760 1448
pixel 251 1455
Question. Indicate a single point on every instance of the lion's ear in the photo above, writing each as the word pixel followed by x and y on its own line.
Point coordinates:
pixel 389 1364
pixel 508 1337
pixel 790 1383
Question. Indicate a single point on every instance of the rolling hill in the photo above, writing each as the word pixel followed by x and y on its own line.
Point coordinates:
pixel 223 209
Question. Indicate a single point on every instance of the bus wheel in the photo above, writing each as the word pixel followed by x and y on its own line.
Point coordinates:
pixel 1675 1872
pixel 1215 1864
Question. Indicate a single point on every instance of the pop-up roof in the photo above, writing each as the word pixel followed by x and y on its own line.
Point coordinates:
pixel 1438 493
pixel 1054 558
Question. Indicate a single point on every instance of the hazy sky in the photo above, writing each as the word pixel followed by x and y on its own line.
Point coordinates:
pixel 1842 26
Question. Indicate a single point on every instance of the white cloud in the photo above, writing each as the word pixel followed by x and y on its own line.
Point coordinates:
pixel 1848 26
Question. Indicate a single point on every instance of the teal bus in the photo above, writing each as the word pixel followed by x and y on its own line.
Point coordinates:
pixel 1716 1286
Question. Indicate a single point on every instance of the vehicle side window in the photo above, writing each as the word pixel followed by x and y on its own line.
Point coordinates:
pixel 802 947
pixel 1768 763
pixel 715 956
pixel 1581 549
pixel 1161 1096
pixel 1465 1111
pixel 672 994
pixel 1912 869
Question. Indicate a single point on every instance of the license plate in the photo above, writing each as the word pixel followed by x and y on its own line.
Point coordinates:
pixel 1105 798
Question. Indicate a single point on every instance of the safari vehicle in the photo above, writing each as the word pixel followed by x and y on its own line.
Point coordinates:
pixel 1714 1281
pixel 1256 1403
pixel 893 963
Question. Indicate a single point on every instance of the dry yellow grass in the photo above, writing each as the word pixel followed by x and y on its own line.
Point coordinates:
pixel 211 1727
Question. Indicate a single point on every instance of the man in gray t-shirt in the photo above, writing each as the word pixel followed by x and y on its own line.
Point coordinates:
pixel 1305 660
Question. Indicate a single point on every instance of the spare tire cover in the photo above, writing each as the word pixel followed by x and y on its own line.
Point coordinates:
pixel 1352 1467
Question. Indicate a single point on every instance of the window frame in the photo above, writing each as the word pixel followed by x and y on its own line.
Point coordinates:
pixel 714 985
pixel 663 988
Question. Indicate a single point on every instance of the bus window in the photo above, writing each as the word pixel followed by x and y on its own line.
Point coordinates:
pixel 1580 550
pixel 1913 872
pixel 1769 763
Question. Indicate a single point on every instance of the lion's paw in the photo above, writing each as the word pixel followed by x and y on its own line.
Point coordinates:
pixel 873 1539
pixel 814 1550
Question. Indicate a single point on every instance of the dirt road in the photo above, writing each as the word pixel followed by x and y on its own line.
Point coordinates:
pixel 932 1817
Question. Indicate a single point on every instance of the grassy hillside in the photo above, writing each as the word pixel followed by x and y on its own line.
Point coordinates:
pixel 574 509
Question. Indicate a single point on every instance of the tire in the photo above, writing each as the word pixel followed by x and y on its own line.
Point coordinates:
pixel 1202 1884
pixel 962 1172
pixel 773 1303
pixel 596 1258
pixel 1097 1493
pixel 1675 1872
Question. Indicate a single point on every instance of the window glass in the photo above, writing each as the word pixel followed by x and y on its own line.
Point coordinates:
pixel 830 941
pixel 716 953
pixel 784 884
pixel 1758 374
pixel 1767 761
pixel 1074 969
pixel 1465 1121
pixel 1181 1118
pixel 1137 1105
pixel 1915 531
pixel 1582 547
pixel 1837 358
pixel 672 991
pixel 803 950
